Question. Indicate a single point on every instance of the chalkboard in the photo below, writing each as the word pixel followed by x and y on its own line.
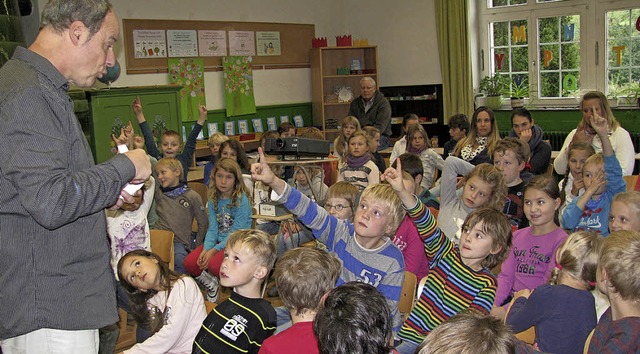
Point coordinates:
pixel 295 42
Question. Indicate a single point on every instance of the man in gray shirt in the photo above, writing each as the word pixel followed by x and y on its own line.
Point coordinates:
pixel 372 108
pixel 56 284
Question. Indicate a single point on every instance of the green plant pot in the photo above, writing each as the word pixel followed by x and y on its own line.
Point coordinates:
pixel 494 102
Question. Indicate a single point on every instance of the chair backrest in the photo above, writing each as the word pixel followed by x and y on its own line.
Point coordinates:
pixel 162 245
pixel 408 293
pixel 201 189
pixel 209 306
pixel 631 182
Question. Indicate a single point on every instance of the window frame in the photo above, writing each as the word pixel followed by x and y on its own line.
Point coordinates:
pixel 593 56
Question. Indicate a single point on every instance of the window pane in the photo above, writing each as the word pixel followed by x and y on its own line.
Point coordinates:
pixel 548 30
pixel 559 55
pixel 497 3
pixel 549 84
pixel 510 50
pixel 520 59
pixel 623 49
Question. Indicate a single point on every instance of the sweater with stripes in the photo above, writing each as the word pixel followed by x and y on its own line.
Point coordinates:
pixel 382 267
pixel 451 286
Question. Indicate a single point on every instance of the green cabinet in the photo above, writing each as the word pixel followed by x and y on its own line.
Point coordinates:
pixel 111 109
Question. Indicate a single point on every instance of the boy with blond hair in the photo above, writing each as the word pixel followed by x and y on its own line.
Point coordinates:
pixel 242 322
pixel 177 205
pixel 364 247
pixel 215 140
pixel 170 144
pixel 618 330
pixel 303 276
pixel 510 157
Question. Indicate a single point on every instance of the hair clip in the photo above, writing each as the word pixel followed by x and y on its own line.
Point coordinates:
pixel 592 284
pixel 559 266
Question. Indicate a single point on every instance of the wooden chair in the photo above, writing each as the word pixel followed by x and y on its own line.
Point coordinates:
pixel 201 189
pixel 631 182
pixel 162 245
pixel 528 335
pixel 209 306
pixel 127 336
pixel 408 294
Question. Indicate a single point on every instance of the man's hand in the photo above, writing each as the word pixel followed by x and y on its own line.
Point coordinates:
pixel 142 163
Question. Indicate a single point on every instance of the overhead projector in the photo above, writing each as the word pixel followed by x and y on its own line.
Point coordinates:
pixel 297 146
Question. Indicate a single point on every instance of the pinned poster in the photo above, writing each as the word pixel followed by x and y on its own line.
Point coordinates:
pixel 238 86
pixel 229 128
pixel 298 121
pixel 149 44
pixel 182 43
pixel 188 73
pixel 268 43
pixel 212 43
pixel 242 43
pixel 284 119
pixel 257 125
pixel 271 123
pixel 213 128
pixel 243 126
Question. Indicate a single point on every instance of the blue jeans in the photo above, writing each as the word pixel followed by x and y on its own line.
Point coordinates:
pixel 406 347
pixel 180 252
pixel 283 319
pixel 384 142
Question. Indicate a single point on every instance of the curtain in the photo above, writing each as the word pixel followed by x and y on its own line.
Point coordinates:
pixel 455 56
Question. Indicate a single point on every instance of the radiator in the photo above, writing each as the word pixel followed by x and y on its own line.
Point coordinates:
pixel 555 138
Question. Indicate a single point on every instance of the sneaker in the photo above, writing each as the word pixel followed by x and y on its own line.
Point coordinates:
pixel 211 284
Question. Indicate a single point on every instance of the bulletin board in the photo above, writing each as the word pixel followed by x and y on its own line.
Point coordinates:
pixel 294 40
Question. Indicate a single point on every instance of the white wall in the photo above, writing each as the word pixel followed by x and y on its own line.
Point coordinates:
pixel 404 32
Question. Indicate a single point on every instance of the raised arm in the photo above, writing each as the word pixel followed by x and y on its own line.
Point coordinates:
pixel 149 140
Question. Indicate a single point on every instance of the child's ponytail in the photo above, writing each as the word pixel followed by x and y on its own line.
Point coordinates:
pixel 577 257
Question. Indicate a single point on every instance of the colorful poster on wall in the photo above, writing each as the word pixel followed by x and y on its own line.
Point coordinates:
pixel 268 43
pixel 149 44
pixel 242 43
pixel 212 43
pixel 238 85
pixel 189 73
pixel 182 43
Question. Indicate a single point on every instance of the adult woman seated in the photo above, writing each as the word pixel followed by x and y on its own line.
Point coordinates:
pixel 483 135
pixel 525 130
pixel 595 101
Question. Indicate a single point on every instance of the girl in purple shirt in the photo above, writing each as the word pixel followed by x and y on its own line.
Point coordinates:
pixel 532 256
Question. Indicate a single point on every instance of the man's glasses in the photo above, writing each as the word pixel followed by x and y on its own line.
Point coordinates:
pixel 338 207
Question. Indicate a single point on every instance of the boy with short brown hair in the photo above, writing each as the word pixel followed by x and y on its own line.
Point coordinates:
pixel 241 323
pixel 303 276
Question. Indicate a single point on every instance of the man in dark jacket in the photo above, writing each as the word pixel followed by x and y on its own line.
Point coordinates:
pixel 373 109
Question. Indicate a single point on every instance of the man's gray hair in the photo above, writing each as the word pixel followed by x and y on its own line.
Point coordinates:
pixel 368 78
pixel 60 14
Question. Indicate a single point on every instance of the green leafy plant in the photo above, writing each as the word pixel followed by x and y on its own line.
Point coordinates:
pixel 494 85
pixel 631 91
pixel 519 90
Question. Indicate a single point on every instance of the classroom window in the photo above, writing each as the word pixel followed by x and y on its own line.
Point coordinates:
pixel 623 49
pixel 559 55
pixel 510 50
pixel 568 46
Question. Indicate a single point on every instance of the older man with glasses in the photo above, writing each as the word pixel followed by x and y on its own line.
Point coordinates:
pixel 372 108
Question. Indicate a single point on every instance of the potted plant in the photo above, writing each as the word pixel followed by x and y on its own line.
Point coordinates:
pixel 631 92
pixel 518 93
pixel 493 87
